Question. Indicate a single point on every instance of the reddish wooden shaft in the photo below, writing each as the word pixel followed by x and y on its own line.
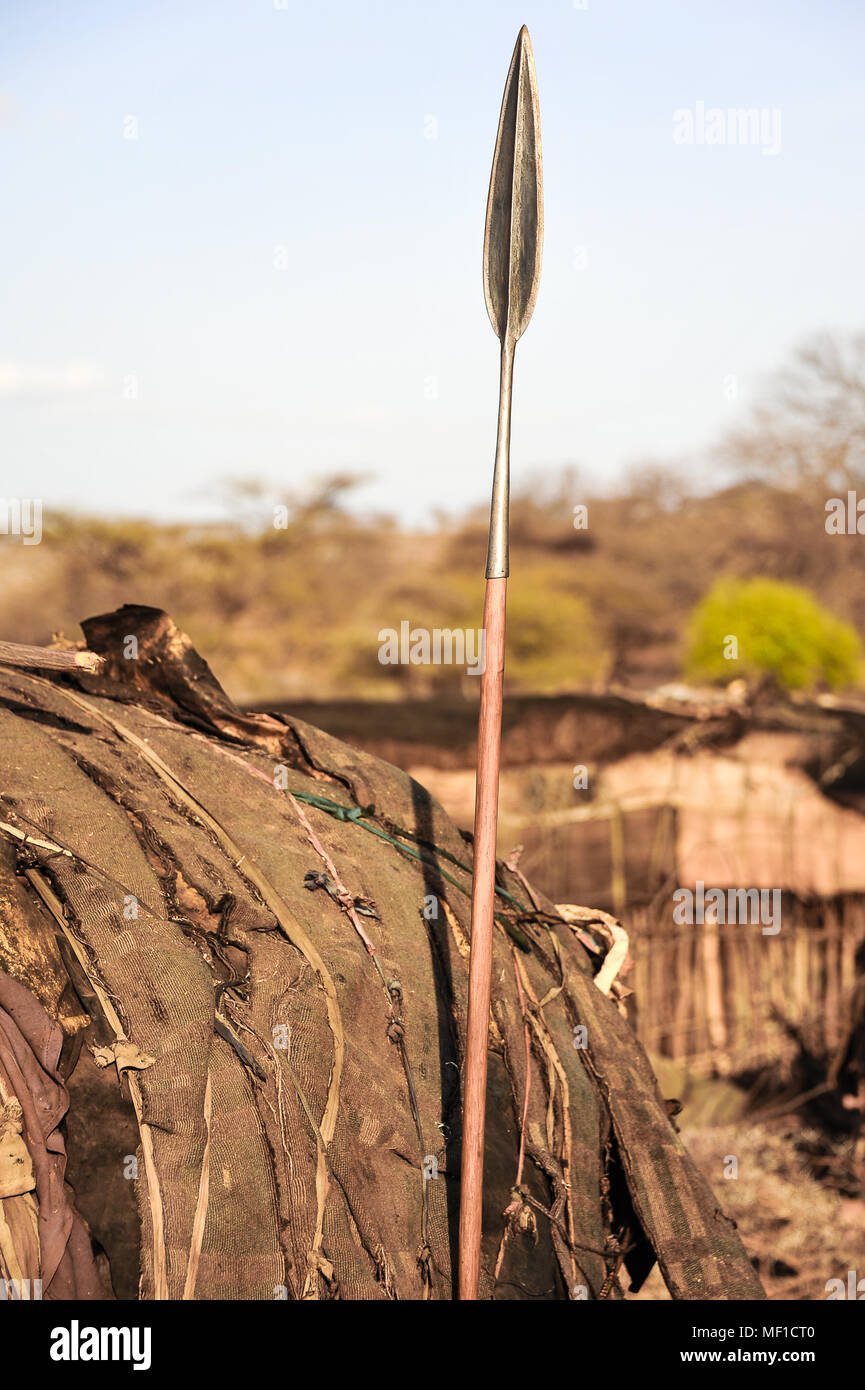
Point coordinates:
pixel 481 958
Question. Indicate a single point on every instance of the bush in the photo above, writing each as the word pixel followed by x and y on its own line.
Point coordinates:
pixel 780 629
pixel 553 641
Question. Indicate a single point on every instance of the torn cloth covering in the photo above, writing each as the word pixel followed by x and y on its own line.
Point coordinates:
pixel 42 1237
pixel 300 1123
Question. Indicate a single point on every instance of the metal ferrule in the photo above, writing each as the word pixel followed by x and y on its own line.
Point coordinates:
pixel 498 565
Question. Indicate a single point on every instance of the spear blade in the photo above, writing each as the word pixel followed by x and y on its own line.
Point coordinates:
pixel 514 233
pixel 513 242
pixel 513 247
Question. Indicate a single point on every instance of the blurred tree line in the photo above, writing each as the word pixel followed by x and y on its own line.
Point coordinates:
pixel 288 597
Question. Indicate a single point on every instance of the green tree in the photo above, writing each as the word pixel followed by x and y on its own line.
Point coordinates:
pixel 754 626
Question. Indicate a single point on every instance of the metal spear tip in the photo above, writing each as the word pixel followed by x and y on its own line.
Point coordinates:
pixel 523 45
pixel 514 233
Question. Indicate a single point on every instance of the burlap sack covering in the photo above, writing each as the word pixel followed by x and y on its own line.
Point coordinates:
pixel 210 883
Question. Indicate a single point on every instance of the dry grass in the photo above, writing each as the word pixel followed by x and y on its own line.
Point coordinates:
pixel 800 1231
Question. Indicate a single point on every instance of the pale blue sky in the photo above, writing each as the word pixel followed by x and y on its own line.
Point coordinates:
pixel 303 128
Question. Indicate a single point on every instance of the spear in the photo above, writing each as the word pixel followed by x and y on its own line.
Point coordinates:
pixel 513 240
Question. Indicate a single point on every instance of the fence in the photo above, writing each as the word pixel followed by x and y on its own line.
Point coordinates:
pixel 729 997
pixel 725 997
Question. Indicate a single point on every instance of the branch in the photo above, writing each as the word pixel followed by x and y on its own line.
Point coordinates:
pixel 13 654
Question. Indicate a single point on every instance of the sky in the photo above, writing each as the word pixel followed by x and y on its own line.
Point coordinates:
pixel 243 239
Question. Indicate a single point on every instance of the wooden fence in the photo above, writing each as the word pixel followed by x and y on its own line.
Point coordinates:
pixel 715 996
pixel 720 996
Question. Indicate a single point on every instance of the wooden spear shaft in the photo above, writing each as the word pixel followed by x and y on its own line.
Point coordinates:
pixel 484 875
pixel 512 263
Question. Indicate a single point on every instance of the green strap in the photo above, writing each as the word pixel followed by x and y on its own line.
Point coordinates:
pixel 358 816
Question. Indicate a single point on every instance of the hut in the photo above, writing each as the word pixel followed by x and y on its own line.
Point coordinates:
pixel 232 1020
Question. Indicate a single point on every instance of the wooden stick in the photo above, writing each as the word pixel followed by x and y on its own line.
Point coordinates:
pixel 480 964
pixel 14 654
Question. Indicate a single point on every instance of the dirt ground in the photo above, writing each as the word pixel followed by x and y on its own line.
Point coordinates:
pixel 800 1231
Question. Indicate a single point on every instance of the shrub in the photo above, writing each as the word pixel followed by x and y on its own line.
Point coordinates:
pixel 780 629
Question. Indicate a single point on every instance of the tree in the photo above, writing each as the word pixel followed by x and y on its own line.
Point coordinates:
pixel 809 432
pixel 756 626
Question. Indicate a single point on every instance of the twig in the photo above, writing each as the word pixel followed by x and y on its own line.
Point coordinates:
pixel 14 654
pixel 772 1112
pixel 522 1152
